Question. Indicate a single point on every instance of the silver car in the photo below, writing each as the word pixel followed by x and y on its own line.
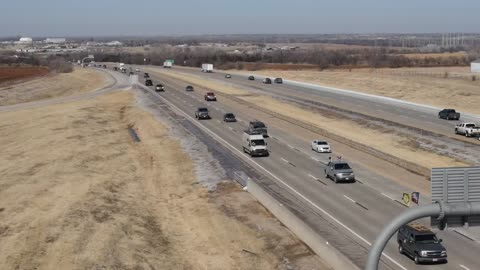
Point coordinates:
pixel 339 171
pixel 321 146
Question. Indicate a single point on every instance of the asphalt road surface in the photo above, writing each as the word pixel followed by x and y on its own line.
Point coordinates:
pixel 405 113
pixel 357 210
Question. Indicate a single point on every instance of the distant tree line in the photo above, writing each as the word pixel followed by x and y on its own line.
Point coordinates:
pixel 320 57
pixel 54 63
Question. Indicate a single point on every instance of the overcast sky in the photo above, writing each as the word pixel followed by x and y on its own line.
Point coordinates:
pixel 180 17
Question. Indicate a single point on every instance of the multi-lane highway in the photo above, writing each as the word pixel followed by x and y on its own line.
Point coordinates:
pixel 358 210
pixel 409 114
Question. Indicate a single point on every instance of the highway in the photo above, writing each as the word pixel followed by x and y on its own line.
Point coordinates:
pixel 357 210
pixel 408 114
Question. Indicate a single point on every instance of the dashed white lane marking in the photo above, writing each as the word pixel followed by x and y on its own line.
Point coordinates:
pixel 311 176
pixel 464 267
pixel 285 160
pixel 315 159
pixel 348 198
pixel 214 135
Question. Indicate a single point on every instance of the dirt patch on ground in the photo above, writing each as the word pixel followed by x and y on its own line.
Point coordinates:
pixel 52 85
pixel 8 74
pixel 402 147
pixel 77 193
pixel 450 87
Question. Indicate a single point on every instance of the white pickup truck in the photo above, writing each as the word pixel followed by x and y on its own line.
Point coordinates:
pixel 467 129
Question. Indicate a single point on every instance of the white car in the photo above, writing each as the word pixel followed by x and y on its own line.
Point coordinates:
pixel 321 146
pixel 137 70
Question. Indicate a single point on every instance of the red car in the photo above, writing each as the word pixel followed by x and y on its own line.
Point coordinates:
pixel 210 96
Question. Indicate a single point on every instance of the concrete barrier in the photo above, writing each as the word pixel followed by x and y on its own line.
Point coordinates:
pixel 317 243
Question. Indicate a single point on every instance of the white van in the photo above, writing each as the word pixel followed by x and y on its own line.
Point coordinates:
pixel 254 144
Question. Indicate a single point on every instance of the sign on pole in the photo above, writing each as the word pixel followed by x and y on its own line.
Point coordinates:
pixel 456 185
pixel 415 197
pixel 406 198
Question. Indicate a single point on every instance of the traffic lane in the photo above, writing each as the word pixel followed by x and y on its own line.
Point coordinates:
pixel 436 267
pixel 405 114
pixel 370 177
pixel 273 164
pixel 281 148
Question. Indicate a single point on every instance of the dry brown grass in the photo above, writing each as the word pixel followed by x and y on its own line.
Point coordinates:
pixel 53 85
pixel 77 193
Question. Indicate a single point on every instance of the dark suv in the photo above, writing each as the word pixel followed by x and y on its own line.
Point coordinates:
pixel 421 244
pixel 148 83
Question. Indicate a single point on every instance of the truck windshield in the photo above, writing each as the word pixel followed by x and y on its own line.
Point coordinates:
pixel 342 166
pixel 258 125
pixel 426 239
pixel 257 142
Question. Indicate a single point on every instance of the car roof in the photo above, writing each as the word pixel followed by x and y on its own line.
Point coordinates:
pixel 338 162
pixel 418 228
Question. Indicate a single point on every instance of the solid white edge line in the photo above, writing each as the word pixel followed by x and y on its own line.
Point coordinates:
pixel 348 198
pixel 385 195
pixel 201 126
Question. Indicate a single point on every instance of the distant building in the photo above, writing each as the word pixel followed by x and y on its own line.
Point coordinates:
pixel 25 40
pixel 114 43
pixel 475 66
pixel 55 40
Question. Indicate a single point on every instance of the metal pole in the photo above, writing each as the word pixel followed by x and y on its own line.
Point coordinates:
pixel 438 210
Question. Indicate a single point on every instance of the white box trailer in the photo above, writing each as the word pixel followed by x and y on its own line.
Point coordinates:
pixel 167 64
pixel 207 68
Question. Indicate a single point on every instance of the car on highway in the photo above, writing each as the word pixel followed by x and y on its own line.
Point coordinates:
pixel 202 113
pixel 339 171
pixel 104 66
pixel 278 80
pixel 321 146
pixel 421 244
pixel 146 75
pixel 159 88
pixel 259 127
pixel 267 81
pixel 251 78
pixel 131 73
pixel 137 70
pixel 115 68
pixel 228 76
pixel 210 96
pixel 189 88
pixel 467 129
pixel 449 114
pixel 254 144
pixel 229 117
pixel 148 83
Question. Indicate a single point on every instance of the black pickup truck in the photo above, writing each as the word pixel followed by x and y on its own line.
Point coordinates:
pixel 449 114
pixel 421 244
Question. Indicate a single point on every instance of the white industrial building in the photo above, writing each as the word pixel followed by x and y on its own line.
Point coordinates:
pixel 25 40
pixel 55 40
pixel 475 66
